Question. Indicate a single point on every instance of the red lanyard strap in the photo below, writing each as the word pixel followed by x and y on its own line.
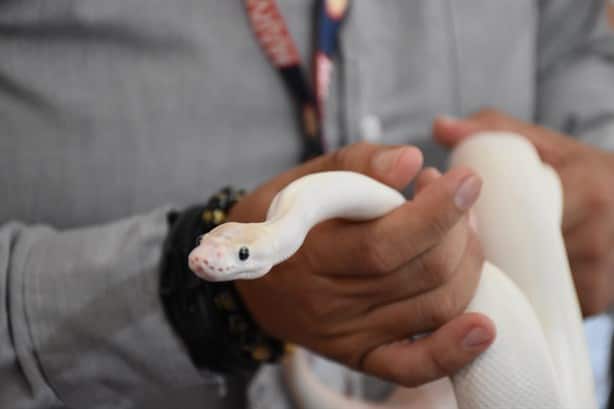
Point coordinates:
pixel 275 39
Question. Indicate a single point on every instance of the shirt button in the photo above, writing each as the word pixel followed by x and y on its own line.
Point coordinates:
pixel 371 128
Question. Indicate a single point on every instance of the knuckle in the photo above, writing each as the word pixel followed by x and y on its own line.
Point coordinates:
pixel 361 146
pixel 434 269
pixel 313 304
pixel 598 201
pixel 446 309
pixel 441 225
pixel 406 377
pixel 436 367
pixel 489 116
pixel 327 312
pixel 354 359
pixel 352 352
pixel 310 258
pixel 375 257
pixel 343 158
pixel 318 307
pixel 443 365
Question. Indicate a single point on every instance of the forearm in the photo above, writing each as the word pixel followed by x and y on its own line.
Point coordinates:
pixel 83 322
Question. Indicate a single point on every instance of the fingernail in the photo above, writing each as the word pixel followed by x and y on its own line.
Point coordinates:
pixel 384 161
pixel 468 192
pixel 476 338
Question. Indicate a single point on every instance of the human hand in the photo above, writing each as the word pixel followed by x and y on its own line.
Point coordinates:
pixel 356 292
pixel 587 176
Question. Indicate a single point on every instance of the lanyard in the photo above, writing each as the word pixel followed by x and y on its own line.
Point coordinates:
pixel 274 37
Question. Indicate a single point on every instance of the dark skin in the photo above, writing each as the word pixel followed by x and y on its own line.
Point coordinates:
pixel 587 176
pixel 355 292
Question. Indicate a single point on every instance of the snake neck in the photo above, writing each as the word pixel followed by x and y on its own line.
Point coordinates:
pixel 287 232
pixel 323 196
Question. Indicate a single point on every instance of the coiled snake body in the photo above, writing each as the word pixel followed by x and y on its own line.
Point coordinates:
pixel 539 358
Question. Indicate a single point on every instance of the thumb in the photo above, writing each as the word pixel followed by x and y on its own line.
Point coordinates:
pixel 444 352
pixel 550 145
pixel 394 166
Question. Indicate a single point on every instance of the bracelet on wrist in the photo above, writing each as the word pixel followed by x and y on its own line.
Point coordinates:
pixel 210 317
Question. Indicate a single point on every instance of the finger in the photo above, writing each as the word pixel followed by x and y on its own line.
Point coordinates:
pixel 457 252
pixel 586 194
pixel 433 267
pixel 551 145
pixel 386 303
pixel 589 241
pixel 577 192
pixel 395 166
pixel 423 223
pixel 425 177
pixel 440 354
pixel 386 244
pixel 450 131
pixel 417 313
pixel 593 285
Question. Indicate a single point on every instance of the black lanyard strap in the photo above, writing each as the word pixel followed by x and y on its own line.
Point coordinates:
pixel 275 39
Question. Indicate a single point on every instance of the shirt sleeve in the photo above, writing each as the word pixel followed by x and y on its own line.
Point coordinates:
pixel 82 325
pixel 576 70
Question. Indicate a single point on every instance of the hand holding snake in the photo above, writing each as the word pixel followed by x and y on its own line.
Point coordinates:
pixel 586 174
pixel 539 358
pixel 346 293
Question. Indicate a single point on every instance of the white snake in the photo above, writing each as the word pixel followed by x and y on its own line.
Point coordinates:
pixel 539 358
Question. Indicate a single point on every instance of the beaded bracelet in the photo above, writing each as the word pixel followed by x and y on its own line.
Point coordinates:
pixel 210 317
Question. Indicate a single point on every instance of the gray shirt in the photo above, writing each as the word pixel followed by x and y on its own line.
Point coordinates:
pixel 113 110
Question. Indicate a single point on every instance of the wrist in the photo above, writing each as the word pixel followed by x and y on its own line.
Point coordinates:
pixel 210 318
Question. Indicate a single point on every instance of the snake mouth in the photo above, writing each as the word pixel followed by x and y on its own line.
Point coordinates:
pixel 207 269
pixel 211 273
pixel 253 274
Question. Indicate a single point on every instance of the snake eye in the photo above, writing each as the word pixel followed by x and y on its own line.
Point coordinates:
pixel 243 253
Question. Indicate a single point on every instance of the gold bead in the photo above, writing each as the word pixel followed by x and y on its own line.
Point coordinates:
pixel 261 353
pixel 218 216
pixel 207 216
pixel 289 348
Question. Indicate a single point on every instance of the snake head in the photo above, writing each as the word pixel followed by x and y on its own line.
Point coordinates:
pixel 231 251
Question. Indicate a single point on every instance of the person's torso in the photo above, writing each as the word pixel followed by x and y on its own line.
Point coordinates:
pixel 113 107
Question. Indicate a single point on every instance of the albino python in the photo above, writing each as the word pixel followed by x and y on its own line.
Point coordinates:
pixel 539 358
